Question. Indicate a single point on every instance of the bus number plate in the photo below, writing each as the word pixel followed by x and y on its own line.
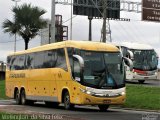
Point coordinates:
pixel 107 101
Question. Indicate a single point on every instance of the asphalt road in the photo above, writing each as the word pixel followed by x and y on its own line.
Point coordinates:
pixel 79 113
pixel 155 83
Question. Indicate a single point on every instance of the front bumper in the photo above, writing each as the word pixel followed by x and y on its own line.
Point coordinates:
pixel 92 100
pixel 94 96
pixel 142 77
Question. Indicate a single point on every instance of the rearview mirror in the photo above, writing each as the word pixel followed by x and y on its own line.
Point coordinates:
pixel 78 68
pixel 128 62
pixel 130 54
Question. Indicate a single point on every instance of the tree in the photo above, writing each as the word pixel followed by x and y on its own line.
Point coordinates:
pixel 27 22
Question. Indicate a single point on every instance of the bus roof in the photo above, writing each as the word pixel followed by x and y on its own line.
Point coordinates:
pixel 85 45
pixel 137 46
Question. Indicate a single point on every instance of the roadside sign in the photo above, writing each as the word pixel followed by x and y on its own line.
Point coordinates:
pixel 151 10
pixel 94 8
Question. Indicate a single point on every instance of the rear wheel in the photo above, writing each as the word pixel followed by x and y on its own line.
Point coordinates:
pixel 103 107
pixel 67 103
pixel 17 98
pixel 141 81
pixel 23 97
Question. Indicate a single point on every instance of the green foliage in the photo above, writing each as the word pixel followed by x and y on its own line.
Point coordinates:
pixel 27 23
pixel 2 90
pixel 143 97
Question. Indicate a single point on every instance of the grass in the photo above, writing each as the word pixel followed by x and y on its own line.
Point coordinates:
pixel 143 97
pixel 2 90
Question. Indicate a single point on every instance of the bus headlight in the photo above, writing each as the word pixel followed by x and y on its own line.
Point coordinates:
pixel 86 91
pixel 123 93
pixel 82 90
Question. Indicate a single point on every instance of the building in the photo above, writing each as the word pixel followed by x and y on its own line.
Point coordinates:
pixel 61 31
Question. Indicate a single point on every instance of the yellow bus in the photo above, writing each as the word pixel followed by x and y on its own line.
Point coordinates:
pixel 69 72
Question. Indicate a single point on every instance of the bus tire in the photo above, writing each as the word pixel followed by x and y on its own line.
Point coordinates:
pixel 141 81
pixel 23 97
pixel 67 103
pixel 17 97
pixel 103 108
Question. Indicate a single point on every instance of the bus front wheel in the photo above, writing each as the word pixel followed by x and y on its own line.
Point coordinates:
pixel 67 103
pixel 103 107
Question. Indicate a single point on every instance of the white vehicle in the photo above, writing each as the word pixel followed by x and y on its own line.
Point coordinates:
pixel 145 61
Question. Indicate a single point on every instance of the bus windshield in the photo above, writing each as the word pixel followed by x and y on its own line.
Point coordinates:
pixel 145 59
pixel 103 70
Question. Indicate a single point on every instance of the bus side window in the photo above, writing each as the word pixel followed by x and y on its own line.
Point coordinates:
pixel 38 60
pixel 21 61
pixel 30 61
pixel 9 62
pixel 61 59
pixel 14 63
pixel 49 59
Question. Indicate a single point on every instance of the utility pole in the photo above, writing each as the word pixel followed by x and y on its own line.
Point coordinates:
pixel 16 1
pixel 71 21
pixel 53 22
pixel 90 27
pixel 104 19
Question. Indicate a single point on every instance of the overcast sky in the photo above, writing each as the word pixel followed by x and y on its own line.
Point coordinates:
pixel 133 31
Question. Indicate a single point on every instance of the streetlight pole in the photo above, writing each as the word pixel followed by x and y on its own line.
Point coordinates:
pixel 16 1
pixel 104 19
pixel 53 22
pixel 71 21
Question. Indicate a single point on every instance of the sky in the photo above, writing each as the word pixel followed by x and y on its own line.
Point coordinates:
pixel 122 31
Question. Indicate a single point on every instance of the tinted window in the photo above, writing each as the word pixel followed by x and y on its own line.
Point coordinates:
pixel 14 63
pixel 61 61
pixel 38 60
pixel 50 59
pixel 21 62
pixel 45 59
pixel 9 62
pixel 30 61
